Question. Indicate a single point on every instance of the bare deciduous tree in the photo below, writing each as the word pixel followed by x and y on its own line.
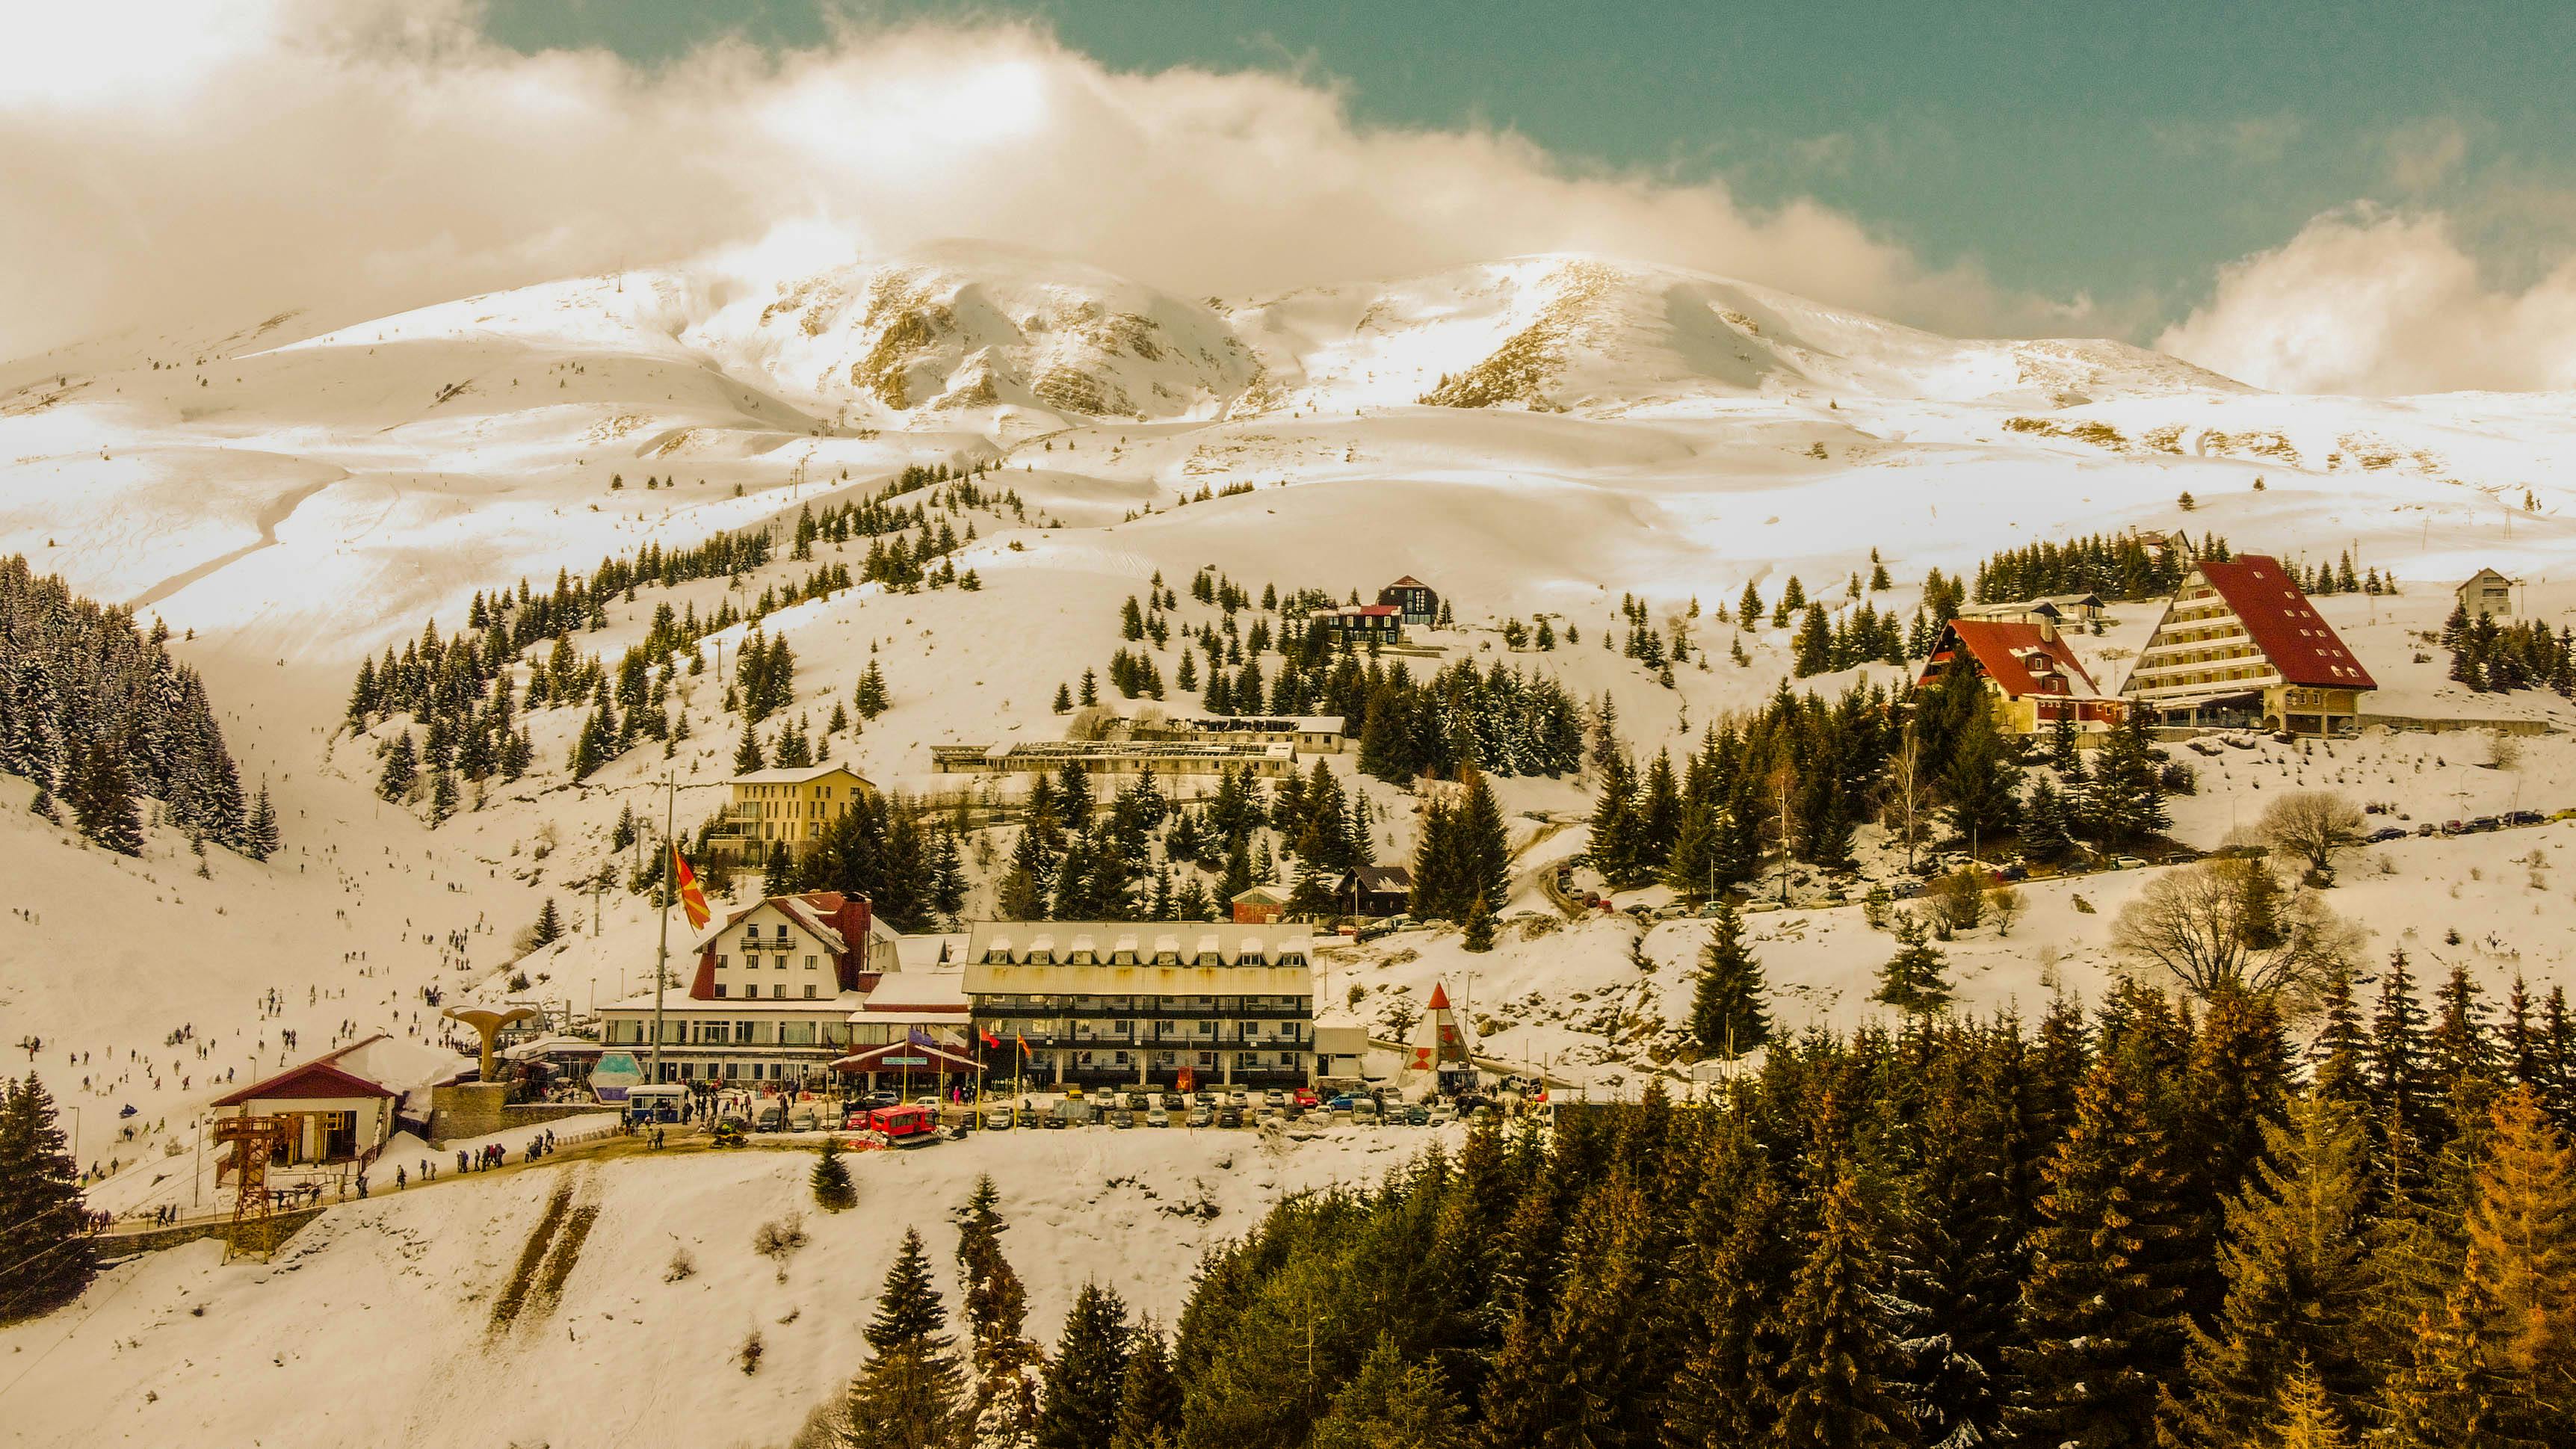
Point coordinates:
pixel 1903 811
pixel 2008 904
pixel 2228 923
pixel 2312 825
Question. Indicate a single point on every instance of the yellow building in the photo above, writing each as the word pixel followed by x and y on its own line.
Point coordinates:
pixel 784 807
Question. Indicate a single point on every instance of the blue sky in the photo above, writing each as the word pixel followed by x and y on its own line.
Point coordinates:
pixel 2121 152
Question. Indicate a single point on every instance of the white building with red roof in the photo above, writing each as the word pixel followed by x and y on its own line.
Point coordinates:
pixel 771 997
pixel 2241 645
pixel 342 1106
pixel 2031 674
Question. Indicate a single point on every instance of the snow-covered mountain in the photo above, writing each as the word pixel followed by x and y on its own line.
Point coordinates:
pixel 1542 435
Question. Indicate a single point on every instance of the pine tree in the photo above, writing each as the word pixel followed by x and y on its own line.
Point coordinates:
pixel 402 766
pixel 1728 1010
pixel 1980 782
pixel 1391 1405
pixel 905 1397
pixel 1484 854
pixel 2296 1280
pixel 1149 1396
pixel 2514 1312
pixel 2125 798
pixel 1477 933
pixel 442 797
pixel 872 699
pixel 833 1190
pixel 45 1252
pixel 747 756
pixel 1004 1407
pixel 1912 980
pixel 1837 1338
pixel 1086 1377
pixel 260 839
pixel 103 798
pixel 1737 1273
pixel 549 927
pixel 2303 1418
pixel 2101 1318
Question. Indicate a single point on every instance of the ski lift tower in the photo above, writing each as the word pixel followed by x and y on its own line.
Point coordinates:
pixel 255 1140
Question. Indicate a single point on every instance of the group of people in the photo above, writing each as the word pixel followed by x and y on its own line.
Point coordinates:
pixel 494 1155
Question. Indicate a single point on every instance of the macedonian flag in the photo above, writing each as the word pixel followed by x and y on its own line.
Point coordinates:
pixel 692 899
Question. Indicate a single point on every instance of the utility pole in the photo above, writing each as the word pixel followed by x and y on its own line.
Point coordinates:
pixel 662 955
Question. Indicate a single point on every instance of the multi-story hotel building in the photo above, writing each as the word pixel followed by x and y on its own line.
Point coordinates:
pixel 2241 645
pixel 1142 1002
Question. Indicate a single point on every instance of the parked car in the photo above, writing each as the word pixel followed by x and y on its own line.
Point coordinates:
pixel 1029 1115
pixel 997 1119
pixel 1415 1115
pixel 1229 1116
pixel 770 1116
pixel 1200 1117
pixel 881 1099
pixel 2385 832
pixel 1366 1113
pixel 2429 828
pixel 1119 1117
pixel 2127 862
pixel 2523 817
pixel 1440 1114
pixel 1238 1098
pixel 1159 1117
pixel 1305 1097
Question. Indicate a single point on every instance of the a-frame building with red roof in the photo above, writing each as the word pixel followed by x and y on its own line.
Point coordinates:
pixel 2242 646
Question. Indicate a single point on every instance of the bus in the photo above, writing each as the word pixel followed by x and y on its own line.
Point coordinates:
pixel 903 1125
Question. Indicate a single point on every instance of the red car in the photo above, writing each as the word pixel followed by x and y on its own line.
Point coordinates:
pixel 1304 1099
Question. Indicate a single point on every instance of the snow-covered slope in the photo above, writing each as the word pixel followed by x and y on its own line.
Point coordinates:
pixel 302 491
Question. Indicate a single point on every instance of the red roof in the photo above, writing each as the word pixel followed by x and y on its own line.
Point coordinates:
pixel 316 1078
pixel 1439 997
pixel 2000 649
pixel 1408 582
pixel 1377 611
pixel 2284 625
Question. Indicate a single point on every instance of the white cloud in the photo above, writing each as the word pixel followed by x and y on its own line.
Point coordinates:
pixel 358 156
pixel 2367 301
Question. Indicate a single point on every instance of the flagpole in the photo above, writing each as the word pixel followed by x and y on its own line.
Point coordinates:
pixel 670 894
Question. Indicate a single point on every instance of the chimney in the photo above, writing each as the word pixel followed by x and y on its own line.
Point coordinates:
pixel 2047 629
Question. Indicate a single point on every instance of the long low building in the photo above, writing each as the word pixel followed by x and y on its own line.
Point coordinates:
pixel 1156 1003
pixel 1311 734
pixel 1112 757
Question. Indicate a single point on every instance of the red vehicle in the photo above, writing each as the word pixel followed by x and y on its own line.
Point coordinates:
pixel 903 1124
pixel 1305 1098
